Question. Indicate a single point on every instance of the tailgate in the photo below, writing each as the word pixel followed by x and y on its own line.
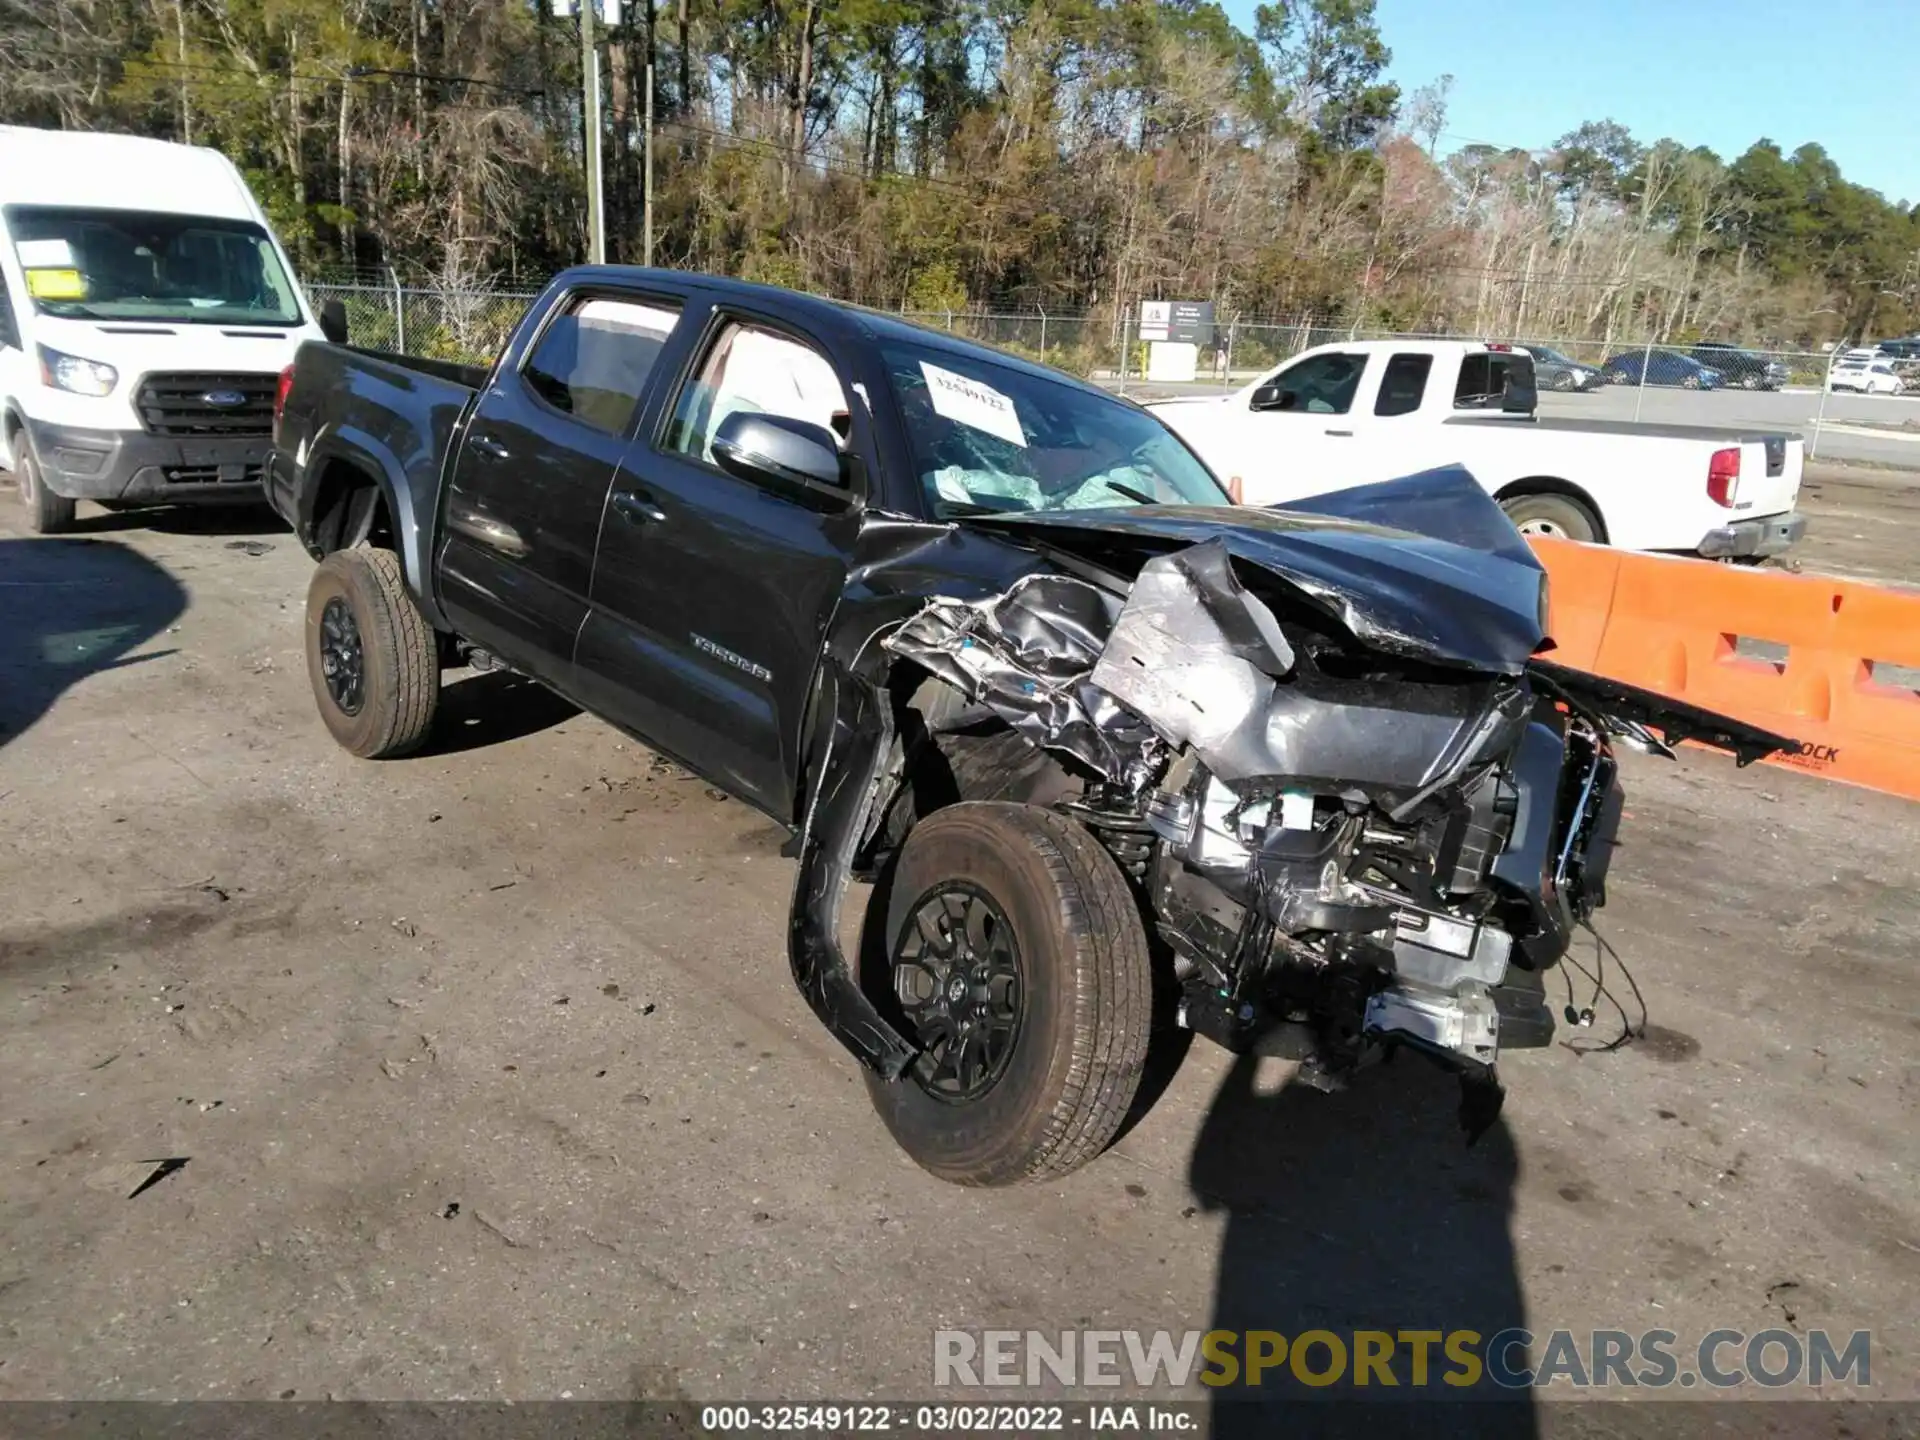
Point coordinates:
pixel 1770 467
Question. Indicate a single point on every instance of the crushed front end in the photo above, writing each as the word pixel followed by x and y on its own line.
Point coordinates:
pixel 1354 818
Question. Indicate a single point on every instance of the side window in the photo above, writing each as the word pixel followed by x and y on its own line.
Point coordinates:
pixel 592 363
pixel 753 368
pixel 1402 385
pixel 1483 380
pixel 1323 385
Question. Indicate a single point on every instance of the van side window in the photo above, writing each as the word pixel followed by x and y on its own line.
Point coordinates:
pixel 1403 384
pixel 592 363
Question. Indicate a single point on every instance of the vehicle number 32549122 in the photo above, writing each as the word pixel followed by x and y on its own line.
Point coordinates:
pixel 916 1419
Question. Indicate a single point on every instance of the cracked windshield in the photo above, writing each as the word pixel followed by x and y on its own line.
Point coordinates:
pixel 989 438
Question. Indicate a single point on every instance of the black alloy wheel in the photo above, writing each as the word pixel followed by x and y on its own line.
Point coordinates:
pixel 342 657
pixel 957 976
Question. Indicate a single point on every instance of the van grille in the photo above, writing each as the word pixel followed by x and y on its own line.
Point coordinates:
pixel 178 404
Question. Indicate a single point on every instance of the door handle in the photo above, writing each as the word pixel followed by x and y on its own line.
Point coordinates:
pixel 487 445
pixel 637 509
pixel 1347 433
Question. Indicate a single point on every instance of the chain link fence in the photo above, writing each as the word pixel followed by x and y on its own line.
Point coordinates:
pixel 471 324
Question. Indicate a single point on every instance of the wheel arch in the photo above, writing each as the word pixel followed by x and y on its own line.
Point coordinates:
pixel 1554 485
pixel 358 493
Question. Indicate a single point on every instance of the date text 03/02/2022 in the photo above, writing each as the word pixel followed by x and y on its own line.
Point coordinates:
pixel 954 1419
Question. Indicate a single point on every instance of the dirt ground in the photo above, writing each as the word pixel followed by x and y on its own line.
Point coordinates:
pixel 1862 524
pixel 489 1079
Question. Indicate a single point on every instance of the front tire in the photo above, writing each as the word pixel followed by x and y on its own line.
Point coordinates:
pixel 47 513
pixel 1014 955
pixel 1559 517
pixel 372 659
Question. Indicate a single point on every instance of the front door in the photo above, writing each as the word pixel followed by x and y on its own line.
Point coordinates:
pixel 712 593
pixel 524 501
pixel 1300 441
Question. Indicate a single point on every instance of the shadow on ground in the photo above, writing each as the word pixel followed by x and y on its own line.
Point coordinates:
pixel 239 519
pixel 492 708
pixel 73 608
pixel 1359 1211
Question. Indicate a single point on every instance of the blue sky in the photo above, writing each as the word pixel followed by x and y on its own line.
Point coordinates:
pixel 1721 73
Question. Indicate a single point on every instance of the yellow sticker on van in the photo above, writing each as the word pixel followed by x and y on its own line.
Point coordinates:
pixel 56 285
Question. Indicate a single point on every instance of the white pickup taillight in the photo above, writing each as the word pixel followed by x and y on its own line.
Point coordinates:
pixel 1723 477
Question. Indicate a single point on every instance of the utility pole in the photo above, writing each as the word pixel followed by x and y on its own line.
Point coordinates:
pixel 590 117
pixel 646 184
pixel 590 78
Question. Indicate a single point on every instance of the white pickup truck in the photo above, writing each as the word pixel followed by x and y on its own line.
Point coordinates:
pixel 1345 415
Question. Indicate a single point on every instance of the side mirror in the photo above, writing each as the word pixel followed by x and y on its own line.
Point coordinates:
pixel 1274 396
pixel 333 321
pixel 752 446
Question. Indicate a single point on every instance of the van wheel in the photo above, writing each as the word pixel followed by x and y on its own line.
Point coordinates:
pixel 372 659
pixel 47 513
pixel 1560 517
pixel 1015 958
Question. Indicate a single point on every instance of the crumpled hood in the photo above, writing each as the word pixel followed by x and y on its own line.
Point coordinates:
pixel 1427 566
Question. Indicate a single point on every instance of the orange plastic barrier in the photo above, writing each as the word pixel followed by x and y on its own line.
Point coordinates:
pixel 1713 635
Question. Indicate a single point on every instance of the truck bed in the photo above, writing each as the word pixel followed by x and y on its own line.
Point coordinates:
pixel 1574 424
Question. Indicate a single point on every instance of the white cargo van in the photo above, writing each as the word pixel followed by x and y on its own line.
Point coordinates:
pixel 146 312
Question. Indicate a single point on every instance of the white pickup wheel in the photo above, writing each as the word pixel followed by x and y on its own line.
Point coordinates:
pixel 1559 517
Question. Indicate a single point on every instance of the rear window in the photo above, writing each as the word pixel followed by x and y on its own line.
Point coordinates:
pixel 1484 377
pixel 1402 385
pixel 592 363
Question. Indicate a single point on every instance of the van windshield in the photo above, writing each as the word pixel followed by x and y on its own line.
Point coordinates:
pixel 144 265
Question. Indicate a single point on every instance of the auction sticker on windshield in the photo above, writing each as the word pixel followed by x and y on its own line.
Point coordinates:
pixel 968 402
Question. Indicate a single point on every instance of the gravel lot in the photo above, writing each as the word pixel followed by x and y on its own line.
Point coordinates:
pixel 490 1080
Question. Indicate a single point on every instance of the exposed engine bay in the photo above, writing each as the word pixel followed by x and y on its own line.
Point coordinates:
pixel 1344 849
pixel 1359 808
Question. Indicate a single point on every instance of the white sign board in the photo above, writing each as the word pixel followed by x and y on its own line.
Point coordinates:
pixel 1172 362
pixel 968 402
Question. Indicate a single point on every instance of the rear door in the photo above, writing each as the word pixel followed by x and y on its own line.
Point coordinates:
pixel 712 593
pixel 523 505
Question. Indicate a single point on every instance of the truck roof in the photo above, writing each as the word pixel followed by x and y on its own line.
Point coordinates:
pixel 119 172
pixel 835 314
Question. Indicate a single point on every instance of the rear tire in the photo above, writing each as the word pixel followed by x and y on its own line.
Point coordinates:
pixel 1559 517
pixel 986 890
pixel 372 659
pixel 47 513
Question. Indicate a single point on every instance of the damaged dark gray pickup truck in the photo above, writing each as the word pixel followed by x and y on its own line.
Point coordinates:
pixel 1121 760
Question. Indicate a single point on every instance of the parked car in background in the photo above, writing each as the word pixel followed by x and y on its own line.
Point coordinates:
pixel 1662 367
pixel 1748 369
pixel 1866 377
pixel 1907 349
pixel 1555 371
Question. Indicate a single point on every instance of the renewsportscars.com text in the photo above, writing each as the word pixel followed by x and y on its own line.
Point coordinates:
pixel 1512 1359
